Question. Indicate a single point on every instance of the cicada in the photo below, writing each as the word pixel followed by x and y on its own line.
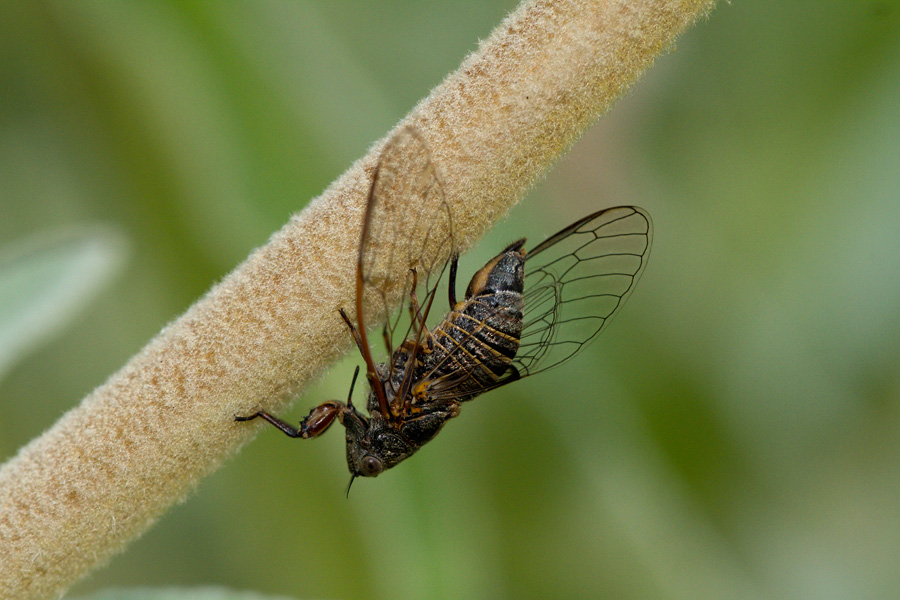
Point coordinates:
pixel 523 312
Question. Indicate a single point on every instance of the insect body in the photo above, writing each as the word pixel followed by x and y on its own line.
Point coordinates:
pixel 475 344
pixel 523 312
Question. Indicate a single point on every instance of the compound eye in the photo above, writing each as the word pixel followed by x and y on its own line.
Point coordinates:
pixel 370 466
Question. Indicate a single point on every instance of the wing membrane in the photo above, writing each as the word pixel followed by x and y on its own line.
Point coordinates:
pixel 407 238
pixel 576 281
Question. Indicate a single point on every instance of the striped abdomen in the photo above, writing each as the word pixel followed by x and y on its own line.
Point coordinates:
pixel 474 344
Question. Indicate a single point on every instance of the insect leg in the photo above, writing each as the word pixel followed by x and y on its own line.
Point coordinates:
pixel 386 336
pixel 321 417
pixel 353 331
pixel 314 424
pixel 454 262
pixel 371 375
pixel 352 384
pixel 418 317
pixel 415 312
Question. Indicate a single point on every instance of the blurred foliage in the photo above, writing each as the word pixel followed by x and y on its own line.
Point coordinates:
pixel 734 434
pixel 47 279
pixel 197 593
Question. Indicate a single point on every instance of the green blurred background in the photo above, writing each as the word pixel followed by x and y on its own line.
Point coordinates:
pixel 735 433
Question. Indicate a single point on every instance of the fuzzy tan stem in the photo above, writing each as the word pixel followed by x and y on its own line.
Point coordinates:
pixel 141 441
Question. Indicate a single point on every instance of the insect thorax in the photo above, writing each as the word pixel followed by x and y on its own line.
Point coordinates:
pixel 430 374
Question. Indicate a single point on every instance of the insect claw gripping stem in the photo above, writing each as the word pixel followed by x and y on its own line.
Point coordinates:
pixel 315 423
pixel 319 419
pixel 287 428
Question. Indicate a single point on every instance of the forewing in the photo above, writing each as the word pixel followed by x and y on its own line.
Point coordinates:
pixel 407 227
pixel 576 281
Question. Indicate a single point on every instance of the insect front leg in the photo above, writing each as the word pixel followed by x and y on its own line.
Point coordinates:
pixel 314 424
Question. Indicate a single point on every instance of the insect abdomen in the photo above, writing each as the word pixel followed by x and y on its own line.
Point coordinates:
pixel 475 344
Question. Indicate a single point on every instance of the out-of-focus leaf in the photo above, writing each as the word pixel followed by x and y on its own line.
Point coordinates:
pixel 207 593
pixel 46 280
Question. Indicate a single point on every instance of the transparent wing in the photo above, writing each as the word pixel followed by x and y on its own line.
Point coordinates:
pixel 407 239
pixel 576 281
